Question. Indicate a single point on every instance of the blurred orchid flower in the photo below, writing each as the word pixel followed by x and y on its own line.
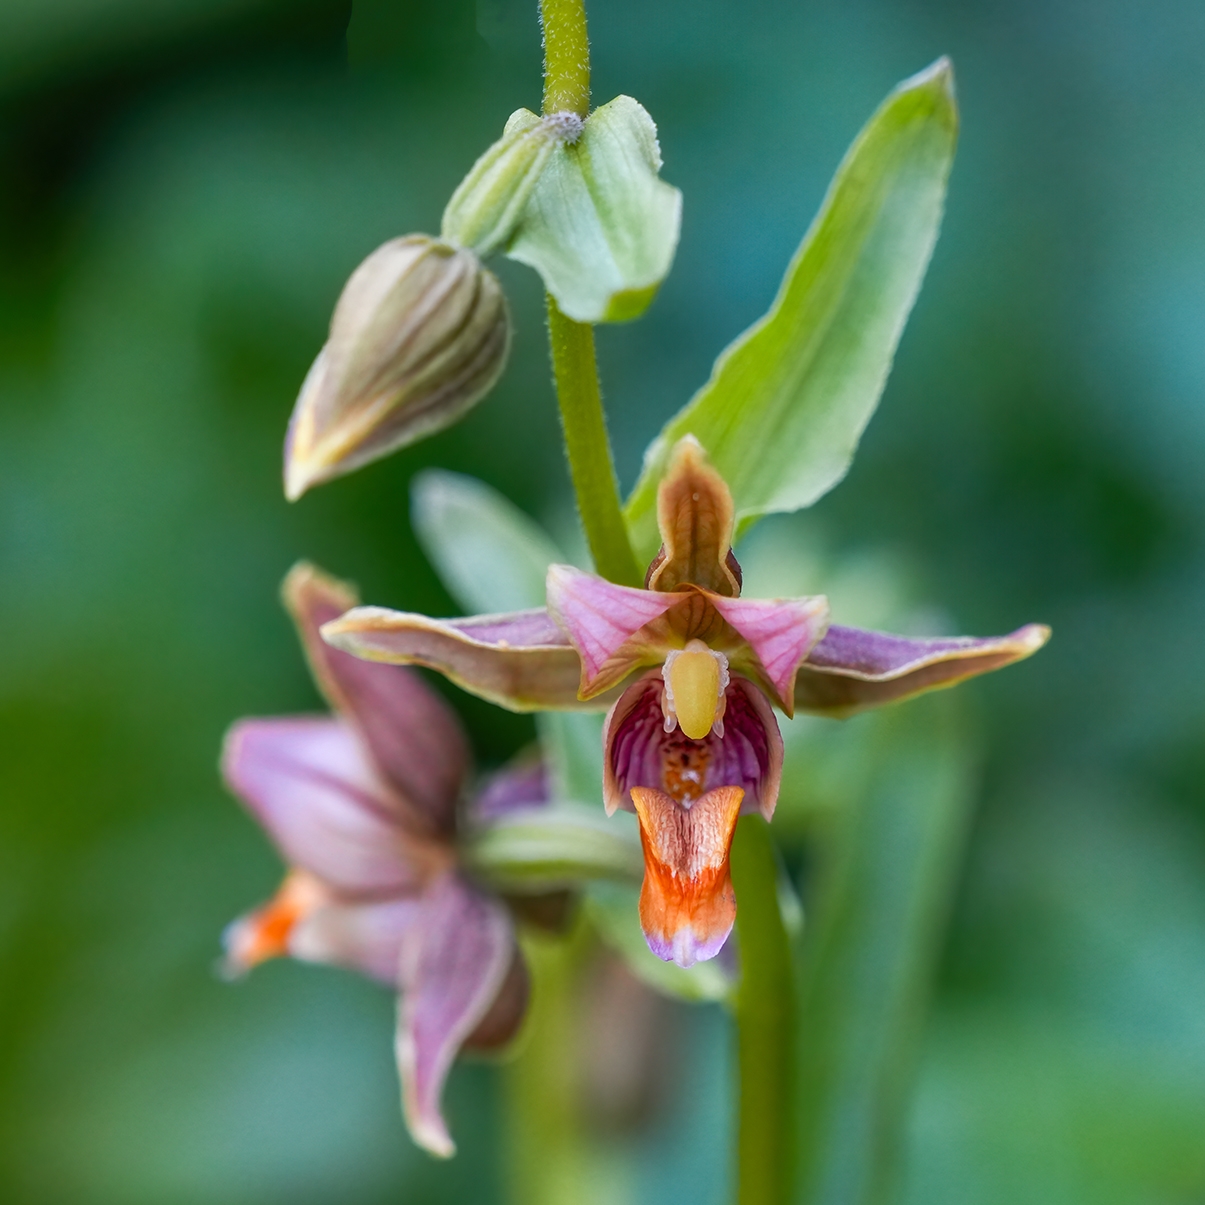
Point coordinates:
pixel 691 672
pixel 362 806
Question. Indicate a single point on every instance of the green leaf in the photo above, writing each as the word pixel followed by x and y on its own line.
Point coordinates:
pixel 600 225
pixel 614 910
pixel 884 870
pixel 787 402
pixel 491 556
pixel 552 848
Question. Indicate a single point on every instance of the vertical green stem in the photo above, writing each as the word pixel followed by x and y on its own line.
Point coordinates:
pixel 567 87
pixel 588 448
pixel 545 1146
pixel 566 57
pixel 765 1023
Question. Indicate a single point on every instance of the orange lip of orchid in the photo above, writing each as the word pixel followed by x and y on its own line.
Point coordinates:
pixel 687 906
pixel 691 672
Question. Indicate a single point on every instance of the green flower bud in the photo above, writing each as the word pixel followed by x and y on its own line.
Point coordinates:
pixel 486 207
pixel 419 334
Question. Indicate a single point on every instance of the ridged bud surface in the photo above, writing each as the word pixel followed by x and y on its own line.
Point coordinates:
pixel 488 204
pixel 419 334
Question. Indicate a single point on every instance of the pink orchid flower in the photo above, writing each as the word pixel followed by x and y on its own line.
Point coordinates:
pixel 692 672
pixel 362 806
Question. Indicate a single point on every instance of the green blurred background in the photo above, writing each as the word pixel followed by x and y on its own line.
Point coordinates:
pixel 183 188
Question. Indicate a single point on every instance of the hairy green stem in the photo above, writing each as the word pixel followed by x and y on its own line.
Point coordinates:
pixel 567 87
pixel 765 1007
pixel 566 57
pixel 588 447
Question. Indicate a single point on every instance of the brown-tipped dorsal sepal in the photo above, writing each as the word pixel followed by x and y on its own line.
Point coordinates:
pixel 695 515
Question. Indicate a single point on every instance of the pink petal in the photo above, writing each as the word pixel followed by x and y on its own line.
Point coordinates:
pixel 852 669
pixel 451 974
pixel 604 622
pixel 522 661
pixel 519 786
pixel 638 752
pixel 781 633
pixel 362 937
pixel 310 783
pixel 413 735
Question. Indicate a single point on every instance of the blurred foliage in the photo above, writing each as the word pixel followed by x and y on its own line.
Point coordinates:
pixel 183 189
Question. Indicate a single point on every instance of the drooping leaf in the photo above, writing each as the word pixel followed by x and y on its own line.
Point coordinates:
pixel 600 225
pixel 787 402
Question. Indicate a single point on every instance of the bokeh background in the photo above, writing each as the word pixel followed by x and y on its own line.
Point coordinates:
pixel 183 188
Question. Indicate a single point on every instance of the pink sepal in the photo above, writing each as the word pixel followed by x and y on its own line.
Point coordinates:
pixel 604 621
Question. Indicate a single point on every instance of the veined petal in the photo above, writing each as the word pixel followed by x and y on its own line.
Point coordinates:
pixel 450 976
pixel 607 624
pixel 520 786
pixel 522 660
pixel 695 515
pixel 362 937
pixel 687 905
pixel 638 752
pixel 852 669
pixel 413 735
pixel 780 632
pixel 309 782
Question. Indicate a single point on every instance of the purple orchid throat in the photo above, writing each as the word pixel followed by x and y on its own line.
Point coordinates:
pixel 362 806
pixel 642 754
pixel 690 672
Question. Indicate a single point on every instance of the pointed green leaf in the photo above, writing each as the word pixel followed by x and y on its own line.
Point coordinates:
pixel 490 555
pixel 787 402
pixel 600 226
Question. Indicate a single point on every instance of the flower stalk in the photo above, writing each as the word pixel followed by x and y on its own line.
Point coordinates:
pixel 574 366
pixel 546 1148
pixel 566 57
pixel 588 447
pixel 765 1008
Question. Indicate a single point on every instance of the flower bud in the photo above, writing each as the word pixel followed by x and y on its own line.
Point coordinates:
pixel 419 334
pixel 487 205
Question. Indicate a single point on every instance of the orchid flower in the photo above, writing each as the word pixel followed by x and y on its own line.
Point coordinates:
pixel 692 672
pixel 362 806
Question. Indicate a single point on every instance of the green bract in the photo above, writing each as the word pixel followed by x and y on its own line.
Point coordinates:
pixel 787 402
pixel 486 207
pixel 600 225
